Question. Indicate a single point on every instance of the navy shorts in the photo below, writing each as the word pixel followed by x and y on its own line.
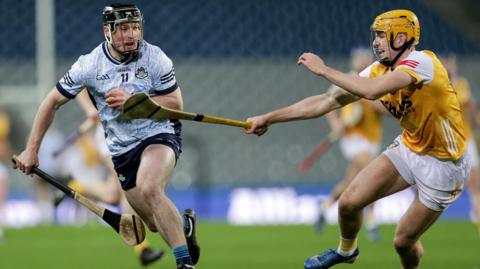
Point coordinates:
pixel 126 165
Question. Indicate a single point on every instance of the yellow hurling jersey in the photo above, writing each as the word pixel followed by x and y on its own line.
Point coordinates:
pixel 461 86
pixel 363 120
pixel 428 109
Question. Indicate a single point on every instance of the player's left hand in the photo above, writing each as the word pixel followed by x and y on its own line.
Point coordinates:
pixel 116 97
pixel 259 125
pixel 313 62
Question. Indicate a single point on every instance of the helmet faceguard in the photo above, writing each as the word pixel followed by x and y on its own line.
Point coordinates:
pixel 115 14
pixel 393 23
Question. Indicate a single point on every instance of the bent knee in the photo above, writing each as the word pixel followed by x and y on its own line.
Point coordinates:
pixel 151 193
pixel 403 244
pixel 347 205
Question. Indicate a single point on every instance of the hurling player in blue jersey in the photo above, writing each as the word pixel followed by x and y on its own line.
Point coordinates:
pixel 144 152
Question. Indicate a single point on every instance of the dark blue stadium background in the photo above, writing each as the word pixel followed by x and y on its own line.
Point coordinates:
pixel 223 28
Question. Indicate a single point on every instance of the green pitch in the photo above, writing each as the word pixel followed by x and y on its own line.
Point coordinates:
pixel 447 245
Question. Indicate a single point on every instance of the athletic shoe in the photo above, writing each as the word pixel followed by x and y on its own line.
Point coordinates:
pixel 149 255
pixel 184 266
pixel 329 258
pixel 189 223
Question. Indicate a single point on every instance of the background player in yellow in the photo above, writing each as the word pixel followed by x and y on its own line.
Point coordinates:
pixel 360 128
pixel 4 156
pixel 472 122
pixel 429 154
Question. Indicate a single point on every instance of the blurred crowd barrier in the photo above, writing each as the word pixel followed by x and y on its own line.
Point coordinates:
pixel 237 206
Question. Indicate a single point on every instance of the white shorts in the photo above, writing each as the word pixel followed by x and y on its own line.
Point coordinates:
pixel 472 151
pixel 439 182
pixel 3 171
pixel 352 145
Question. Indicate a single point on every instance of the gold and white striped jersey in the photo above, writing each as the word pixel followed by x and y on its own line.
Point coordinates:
pixel 428 109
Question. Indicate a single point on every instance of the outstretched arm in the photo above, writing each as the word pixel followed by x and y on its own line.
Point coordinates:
pixel 44 117
pixel 310 107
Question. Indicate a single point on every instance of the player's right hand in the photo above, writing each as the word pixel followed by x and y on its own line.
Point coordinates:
pixel 26 160
pixel 259 125
pixel 313 63
pixel 116 97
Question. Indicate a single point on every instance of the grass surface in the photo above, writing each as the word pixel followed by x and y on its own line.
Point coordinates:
pixel 447 245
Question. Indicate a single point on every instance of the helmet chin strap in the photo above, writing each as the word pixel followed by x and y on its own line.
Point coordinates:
pixel 386 61
pixel 126 55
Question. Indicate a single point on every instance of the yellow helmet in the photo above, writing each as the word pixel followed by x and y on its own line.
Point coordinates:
pixel 398 21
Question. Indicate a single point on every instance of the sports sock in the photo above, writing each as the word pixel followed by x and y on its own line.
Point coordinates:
pixel 181 255
pixel 140 247
pixel 347 246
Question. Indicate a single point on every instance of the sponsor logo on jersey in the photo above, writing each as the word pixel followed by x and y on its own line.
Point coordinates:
pixel 141 73
pixel 121 177
pixel 123 69
pixel 400 110
pixel 394 144
pixel 103 77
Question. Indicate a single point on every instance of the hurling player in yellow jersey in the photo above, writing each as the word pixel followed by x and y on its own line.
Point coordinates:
pixel 429 154
pixel 472 122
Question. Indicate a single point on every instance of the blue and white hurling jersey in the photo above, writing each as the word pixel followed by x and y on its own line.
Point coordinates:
pixel 152 71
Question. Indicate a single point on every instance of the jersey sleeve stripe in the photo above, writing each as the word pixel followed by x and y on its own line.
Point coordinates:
pixel 167 90
pixel 166 81
pixel 410 63
pixel 169 74
pixel 64 92
pixel 163 80
pixel 68 80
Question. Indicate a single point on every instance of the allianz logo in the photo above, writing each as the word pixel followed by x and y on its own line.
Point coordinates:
pixel 103 77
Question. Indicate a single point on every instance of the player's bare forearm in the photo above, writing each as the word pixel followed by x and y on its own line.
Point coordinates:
pixel 368 88
pixel 172 100
pixel 44 118
pixel 308 108
pixel 359 86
